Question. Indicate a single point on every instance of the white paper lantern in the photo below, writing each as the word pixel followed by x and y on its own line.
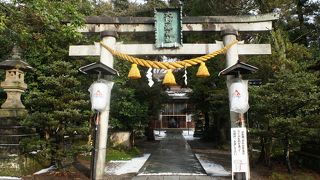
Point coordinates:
pixel 99 94
pixel 238 96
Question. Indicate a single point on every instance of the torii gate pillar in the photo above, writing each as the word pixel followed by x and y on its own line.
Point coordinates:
pixel 232 57
pixel 108 38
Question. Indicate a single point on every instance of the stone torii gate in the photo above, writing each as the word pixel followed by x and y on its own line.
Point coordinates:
pixel 229 26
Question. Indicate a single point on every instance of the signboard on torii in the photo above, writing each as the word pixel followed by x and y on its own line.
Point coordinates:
pixel 229 26
pixel 168 32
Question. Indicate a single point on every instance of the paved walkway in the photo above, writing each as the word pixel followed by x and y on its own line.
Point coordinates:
pixel 177 178
pixel 173 160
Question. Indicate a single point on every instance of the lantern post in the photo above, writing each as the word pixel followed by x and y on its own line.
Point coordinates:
pixel 238 97
pixel 100 92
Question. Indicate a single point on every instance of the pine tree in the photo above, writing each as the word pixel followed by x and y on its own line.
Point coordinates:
pixel 57 98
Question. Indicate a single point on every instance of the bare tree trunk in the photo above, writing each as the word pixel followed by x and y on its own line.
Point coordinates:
pixel 287 154
pixel 300 5
pixel 222 131
pixel 266 150
pixel 132 139
pixel 263 151
pixel 206 121
pixel 91 129
pixel 269 144
pixel 223 136
pixel 149 130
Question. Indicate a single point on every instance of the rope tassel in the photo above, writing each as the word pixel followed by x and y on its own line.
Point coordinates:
pixel 203 71
pixel 169 79
pixel 134 72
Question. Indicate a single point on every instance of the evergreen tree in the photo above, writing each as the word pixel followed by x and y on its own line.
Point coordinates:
pixel 282 106
pixel 57 98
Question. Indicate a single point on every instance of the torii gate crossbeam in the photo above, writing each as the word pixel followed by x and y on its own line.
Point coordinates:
pixel 96 24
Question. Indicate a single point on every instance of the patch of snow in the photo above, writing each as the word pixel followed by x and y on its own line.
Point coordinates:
pixel 277 10
pixel 311 19
pixel 34 152
pixel 211 168
pixel 159 134
pixel 137 1
pixel 51 168
pixel 13 155
pixel 124 167
pixel 189 135
pixel 254 12
pixel 9 178
pixel 178 94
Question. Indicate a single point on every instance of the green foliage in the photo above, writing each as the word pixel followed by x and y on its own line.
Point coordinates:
pixel 127 111
pixel 121 154
pixel 125 8
pixel 27 164
pixel 209 96
pixel 120 5
pixel 217 7
pixel 284 176
pixel 2 23
pixel 57 98
pixel 133 102
pixel 284 110
pixel 285 103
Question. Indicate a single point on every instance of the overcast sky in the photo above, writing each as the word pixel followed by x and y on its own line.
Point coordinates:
pixel 138 1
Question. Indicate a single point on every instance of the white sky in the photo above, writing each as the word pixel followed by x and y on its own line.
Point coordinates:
pixel 142 1
pixel 138 1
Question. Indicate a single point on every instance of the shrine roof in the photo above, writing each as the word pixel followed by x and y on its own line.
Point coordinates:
pixel 98 68
pixel 239 67
pixel 15 61
pixel 18 64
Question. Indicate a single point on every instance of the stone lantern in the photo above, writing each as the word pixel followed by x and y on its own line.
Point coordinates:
pixel 14 84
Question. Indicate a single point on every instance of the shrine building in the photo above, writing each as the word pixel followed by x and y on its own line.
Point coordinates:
pixel 176 112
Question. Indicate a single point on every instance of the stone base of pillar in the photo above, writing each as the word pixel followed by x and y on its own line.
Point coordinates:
pixel 5 113
pixel 13 100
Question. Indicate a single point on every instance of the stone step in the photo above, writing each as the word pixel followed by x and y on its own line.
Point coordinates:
pixel 8 130
pixel 13 138
pixel 9 122
pixel 11 134
pixel 7 150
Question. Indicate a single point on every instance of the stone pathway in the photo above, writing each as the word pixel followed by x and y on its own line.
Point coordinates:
pixel 173 157
pixel 177 178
